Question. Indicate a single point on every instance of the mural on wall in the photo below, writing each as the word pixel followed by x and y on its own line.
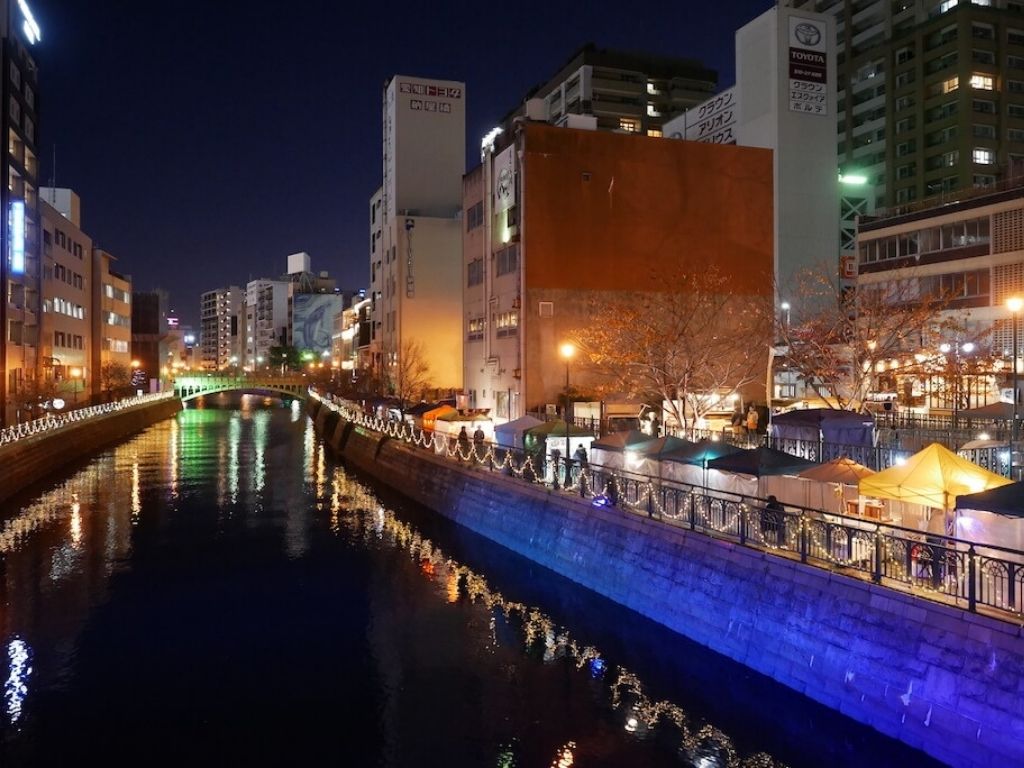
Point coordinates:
pixel 313 320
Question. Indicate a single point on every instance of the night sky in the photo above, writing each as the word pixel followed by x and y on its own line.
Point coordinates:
pixel 208 140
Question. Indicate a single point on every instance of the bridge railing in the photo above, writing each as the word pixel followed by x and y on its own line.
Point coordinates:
pixel 52 422
pixel 928 565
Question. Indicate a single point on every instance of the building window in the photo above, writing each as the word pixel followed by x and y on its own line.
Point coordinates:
pixel 507 260
pixel 476 329
pixel 1015 62
pixel 984 106
pixel 507 323
pixel 474 216
pixel 949 85
pixel 904 102
pixel 981 82
pixel 655 132
pixel 629 124
pixel 983 131
pixel 1015 134
pixel 983 180
pixel 1015 36
pixel 475 274
pixel 983 156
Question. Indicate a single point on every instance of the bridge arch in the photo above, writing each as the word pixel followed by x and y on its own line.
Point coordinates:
pixel 193 386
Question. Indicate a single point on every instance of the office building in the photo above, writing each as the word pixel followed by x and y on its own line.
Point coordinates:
pixel 266 320
pixel 65 332
pixel 20 269
pixel 416 229
pixel 149 338
pixel 559 218
pixel 111 318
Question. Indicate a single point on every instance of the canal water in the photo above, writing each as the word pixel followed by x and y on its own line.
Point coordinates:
pixel 220 591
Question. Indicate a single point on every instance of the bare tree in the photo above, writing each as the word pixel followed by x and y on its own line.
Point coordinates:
pixel 408 377
pixel 688 344
pixel 114 377
pixel 838 339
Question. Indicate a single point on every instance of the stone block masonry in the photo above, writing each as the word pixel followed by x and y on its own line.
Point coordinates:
pixel 32 459
pixel 940 679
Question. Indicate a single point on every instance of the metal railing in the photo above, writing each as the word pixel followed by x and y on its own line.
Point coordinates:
pixel 928 565
pixel 52 422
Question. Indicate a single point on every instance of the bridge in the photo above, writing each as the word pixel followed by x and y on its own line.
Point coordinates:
pixel 191 386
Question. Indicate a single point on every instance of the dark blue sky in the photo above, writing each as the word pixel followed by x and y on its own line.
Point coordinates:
pixel 208 140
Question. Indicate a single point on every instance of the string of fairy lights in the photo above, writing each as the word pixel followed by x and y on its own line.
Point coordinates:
pixel 356 511
pixel 51 422
pixel 904 561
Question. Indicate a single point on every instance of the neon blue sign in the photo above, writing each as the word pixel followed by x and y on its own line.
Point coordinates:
pixel 18 237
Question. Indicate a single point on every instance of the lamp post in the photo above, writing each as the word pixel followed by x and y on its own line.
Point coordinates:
pixel 957 389
pixel 1014 304
pixel 76 374
pixel 567 350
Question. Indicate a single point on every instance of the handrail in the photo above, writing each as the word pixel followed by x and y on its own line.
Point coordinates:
pixel 50 422
pixel 926 565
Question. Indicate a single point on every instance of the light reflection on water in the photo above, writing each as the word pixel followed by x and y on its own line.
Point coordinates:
pixel 189 496
pixel 355 511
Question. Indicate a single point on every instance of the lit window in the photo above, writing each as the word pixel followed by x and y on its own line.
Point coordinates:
pixel 981 82
pixel 656 132
pixel 983 156
pixel 629 124
pixel 952 84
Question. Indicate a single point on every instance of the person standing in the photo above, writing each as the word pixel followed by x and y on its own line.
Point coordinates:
pixel 773 523
pixel 478 443
pixel 462 444
pixel 752 421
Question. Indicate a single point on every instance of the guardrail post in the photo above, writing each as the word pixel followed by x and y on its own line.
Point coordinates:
pixel 876 572
pixel 972 595
pixel 1011 592
pixel 554 472
pixel 693 510
pixel 743 523
pixel 803 537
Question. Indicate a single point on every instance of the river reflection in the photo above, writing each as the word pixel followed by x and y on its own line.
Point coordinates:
pixel 218 590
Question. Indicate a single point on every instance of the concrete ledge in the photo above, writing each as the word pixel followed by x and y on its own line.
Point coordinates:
pixel 32 459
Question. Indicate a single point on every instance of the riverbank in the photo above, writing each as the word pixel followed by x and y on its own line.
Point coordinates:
pixel 28 460
pixel 933 676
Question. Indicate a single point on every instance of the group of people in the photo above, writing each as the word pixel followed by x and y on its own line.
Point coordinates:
pixel 748 421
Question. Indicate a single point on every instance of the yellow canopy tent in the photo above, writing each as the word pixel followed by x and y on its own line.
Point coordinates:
pixel 430 417
pixel 934 477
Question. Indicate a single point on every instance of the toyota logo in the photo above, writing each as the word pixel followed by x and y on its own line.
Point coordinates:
pixel 807 34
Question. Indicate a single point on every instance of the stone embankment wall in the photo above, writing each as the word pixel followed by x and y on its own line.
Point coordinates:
pixel 943 680
pixel 31 459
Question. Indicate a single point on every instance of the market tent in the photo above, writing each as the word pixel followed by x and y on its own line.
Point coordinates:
pixel 550 435
pixel 510 434
pixel 828 425
pixel 1005 500
pixel 688 464
pixel 934 477
pixel 842 470
pixel 759 462
pixel 609 450
pixel 995 516
pixel 645 458
pixel 829 487
pixel 994 411
pixel 430 417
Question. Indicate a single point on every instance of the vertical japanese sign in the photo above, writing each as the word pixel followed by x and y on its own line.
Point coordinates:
pixel 808 60
pixel 17 230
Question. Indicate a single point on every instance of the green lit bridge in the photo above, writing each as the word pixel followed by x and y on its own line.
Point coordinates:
pixel 191 386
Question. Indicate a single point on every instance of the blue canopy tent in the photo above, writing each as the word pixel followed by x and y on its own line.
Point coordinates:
pixel 832 432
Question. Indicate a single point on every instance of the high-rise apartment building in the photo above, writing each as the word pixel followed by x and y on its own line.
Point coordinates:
pixel 149 337
pixel 266 319
pixel 416 259
pixel 931 95
pixel 20 247
pixel 220 314
pixel 629 92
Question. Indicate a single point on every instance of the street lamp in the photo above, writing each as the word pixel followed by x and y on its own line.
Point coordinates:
pixel 76 375
pixel 785 307
pixel 1014 304
pixel 566 350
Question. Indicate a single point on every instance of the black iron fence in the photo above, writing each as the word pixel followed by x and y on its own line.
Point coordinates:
pixel 929 565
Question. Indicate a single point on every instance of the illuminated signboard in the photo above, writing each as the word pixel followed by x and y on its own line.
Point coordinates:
pixel 29 27
pixel 17 228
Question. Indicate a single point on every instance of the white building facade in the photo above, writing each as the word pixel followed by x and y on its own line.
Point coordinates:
pixel 220 314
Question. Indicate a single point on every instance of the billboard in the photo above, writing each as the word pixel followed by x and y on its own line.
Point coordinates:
pixel 313 320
